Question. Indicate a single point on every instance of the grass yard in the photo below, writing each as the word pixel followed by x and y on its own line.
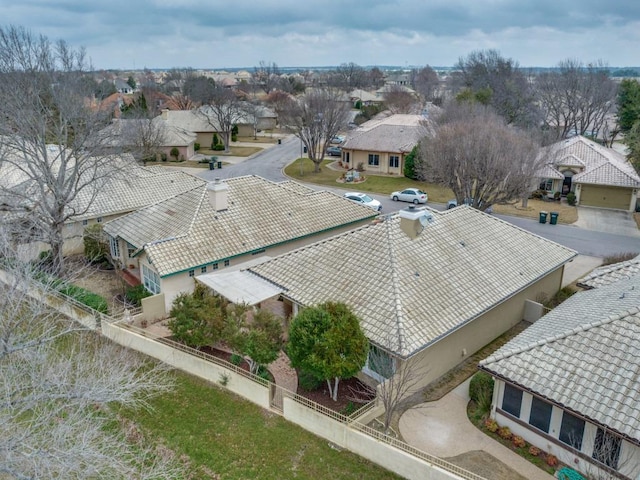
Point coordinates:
pixel 235 151
pixel 567 213
pixel 259 139
pixel 374 183
pixel 224 435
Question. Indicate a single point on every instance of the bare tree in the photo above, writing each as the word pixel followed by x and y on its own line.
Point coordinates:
pixel 267 76
pixel 398 100
pixel 479 157
pixel 426 82
pixel 509 91
pixel 48 134
pixel 279 101
pixel 60 388
pixel 348 76
pixel 315 118
pixel 222 111
pixel 398 381
pixel 576 99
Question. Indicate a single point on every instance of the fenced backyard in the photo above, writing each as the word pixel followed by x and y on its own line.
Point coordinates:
pixel 348 432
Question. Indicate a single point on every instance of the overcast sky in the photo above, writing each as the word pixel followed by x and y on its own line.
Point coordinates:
pixel 214 34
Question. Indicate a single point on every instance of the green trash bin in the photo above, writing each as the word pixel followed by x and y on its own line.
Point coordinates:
pixel 554 218
pixel 543 217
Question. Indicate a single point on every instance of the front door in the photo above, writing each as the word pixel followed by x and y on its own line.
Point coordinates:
pixel 566 184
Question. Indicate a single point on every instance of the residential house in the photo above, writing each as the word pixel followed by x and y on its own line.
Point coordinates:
pixel 123 87
pixel 599 176
pixel 570 383
pixel 193 122
pixel 255 118
pixel 215 226
pixel 381 145
pixel 363 97
pixel 430 288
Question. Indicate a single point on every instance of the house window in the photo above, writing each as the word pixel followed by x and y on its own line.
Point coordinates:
pixel 546 184
pixel 394 161
pixel 192 273
pixel 131 250
pixel 380 362
pixel 150 279
pixel 572 430
pixel 226 263
pixel 540 414
pixel 606 448
pixel 346 156
pixel 512 400
pixel 214 266
pixel 85 223
pixel 114 247
pixel 99 219
pixel 374 159
pixel 203 269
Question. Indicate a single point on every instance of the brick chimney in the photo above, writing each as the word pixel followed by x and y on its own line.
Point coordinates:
pixel 218 193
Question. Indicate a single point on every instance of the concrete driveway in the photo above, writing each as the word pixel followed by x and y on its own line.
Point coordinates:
pixel 610 221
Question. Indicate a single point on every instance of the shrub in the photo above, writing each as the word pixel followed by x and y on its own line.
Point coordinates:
pixel 518 441
pixel 481 391
pixel 505 433
pixel 163 156
pixel 552 460
pixel 538 194
pixel 214 141
pixel 263 373
pixel 535 451
pixel 218 147
pixel 86 297
pixel 236 359
pixel 96 249
pixel 196 146
pixel 491 425
pixel 556 195
pixel 571 198
pixel 174 152
pixel 349 409
pixel 307 381
pixel 234 137
pixel 134 295
pixel 360 167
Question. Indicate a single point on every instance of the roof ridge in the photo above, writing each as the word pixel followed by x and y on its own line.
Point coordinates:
pixel 396 290
pixel 555 338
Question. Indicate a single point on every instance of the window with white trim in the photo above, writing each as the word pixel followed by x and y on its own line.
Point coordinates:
pixel 99 219
pixel 374 159
pixel 606 448
pixel 214 266
pixel 227 263
pixel 192 273
pixel 131 250
pixel 571 430
pixel 203 269
pixel 150 280
pixel 512 400
pixel 114 247
pixel 540 415
pixel 394 161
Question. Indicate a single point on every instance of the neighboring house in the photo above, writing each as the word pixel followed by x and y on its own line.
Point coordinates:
pixel 393 87
pixel 218 225
pixel 365 98
pixel 131 133
pixel 381 145
pixel 599 176
pixel 570 383
pixel 193 122
pixel 256 118
pixel 431 288
pixel 123 87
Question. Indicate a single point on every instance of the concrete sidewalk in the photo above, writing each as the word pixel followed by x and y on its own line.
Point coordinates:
pixel 442 428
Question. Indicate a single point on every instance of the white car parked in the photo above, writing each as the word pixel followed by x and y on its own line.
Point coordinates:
pixel 364 199
pixel 413 195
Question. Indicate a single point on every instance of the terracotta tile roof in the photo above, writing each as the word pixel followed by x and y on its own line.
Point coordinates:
pixel 184 231
pixel 410 293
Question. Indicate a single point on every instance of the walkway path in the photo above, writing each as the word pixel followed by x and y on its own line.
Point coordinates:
pixel 443 429
pixel 283 375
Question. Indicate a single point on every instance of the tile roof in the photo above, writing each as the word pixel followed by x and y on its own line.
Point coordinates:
pixel 602 166
pixel 395 133
pixel 184 231
pixel 410 293
pixel 608 274
pixel 188 120
pixel 583 355
pixel 548 171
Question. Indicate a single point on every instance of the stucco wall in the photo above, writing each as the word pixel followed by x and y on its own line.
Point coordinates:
pixel 445 354
pixel 361 156
pixel 629 462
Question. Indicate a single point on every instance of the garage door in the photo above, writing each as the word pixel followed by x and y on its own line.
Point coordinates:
pixel 605 197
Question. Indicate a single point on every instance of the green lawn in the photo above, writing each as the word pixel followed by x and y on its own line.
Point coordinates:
pixel 234 151
pixel 231 437
pixel 374 183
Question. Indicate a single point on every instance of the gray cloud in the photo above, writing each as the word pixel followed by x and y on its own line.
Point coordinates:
pixel 199 33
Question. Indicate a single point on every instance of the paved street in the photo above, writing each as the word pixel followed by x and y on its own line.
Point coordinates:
pixel 586 237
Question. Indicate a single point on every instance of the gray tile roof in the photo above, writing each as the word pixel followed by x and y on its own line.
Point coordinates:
pixel 608 274
pixel 396 133
pixel 602 166
pixel 409 293
pixel 184 231
pixel 548 171
pixel 583 355
pixel 140 187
